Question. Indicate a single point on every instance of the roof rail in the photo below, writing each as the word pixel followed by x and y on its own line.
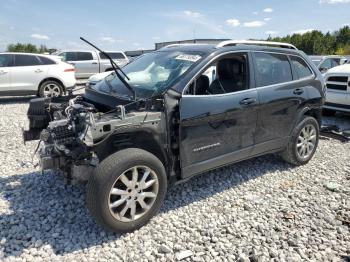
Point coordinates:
pixel 253 42
pixel 181 44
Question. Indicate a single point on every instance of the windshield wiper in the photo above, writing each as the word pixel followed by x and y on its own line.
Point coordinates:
pixel 115 68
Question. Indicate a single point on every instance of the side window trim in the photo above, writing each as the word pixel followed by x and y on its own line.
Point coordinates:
pixel 295 74
pixel 249 60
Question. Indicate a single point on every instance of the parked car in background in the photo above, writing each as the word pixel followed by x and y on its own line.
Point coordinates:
pixel 338 90
pixel 179 111
pixel 34 74
pixel 100 76
pixel 88 63
pixel 324 63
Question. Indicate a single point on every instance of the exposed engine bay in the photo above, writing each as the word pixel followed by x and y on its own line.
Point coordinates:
pixel 71 133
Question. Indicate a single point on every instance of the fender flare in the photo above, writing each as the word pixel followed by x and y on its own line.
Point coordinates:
pixel 314 112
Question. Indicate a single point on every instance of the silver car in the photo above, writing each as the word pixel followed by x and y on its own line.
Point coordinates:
pixel 88 63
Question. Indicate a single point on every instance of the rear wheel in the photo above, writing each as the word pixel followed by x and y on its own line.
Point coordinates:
pixel 50 88
pixel 126 190
pixel 303 142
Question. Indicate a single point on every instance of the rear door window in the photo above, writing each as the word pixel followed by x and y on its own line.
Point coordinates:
pixel 271 68
pixel 300 67
pixel 113 55
pixel 27 60
pixel 6 60
pixel 84 56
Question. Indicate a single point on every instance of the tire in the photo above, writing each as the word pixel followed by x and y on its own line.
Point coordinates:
pixel 328 112
pixel 290 154
pixel 50 88
pixel 109 176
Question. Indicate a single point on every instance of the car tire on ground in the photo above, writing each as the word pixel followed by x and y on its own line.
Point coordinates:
pixel 126 190
pixel 328 112
pixel 303 142
pixel 50 88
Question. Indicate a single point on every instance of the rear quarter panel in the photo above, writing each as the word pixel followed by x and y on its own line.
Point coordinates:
pixel 57 71
pixel 315 89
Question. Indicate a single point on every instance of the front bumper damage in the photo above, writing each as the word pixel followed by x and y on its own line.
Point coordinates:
pixel 70 169
pixel 74 136
pixel 62 130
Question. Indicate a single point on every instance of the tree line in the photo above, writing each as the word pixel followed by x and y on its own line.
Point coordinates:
pixel 317 43
pixel 312 43
pixel 29 48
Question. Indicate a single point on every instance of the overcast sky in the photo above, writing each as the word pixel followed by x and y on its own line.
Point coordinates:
pixel 130 25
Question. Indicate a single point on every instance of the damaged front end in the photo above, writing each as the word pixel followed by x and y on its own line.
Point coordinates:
pixel 62 129
pixel 74 135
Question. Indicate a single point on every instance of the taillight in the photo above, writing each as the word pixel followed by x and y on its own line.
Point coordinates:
pixel 69 70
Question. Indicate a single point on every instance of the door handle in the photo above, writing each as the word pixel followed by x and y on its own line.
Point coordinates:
pixel 247 101
pixel 2 72
pixel 94 63
pixel 298 91
pixel 38 71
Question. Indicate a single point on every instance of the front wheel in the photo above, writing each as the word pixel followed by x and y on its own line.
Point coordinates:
pixel 303 142
pixel 126 190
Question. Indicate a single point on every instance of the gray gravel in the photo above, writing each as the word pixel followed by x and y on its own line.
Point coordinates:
pixel 257 210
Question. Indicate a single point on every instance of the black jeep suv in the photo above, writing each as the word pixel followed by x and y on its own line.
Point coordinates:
pixel 176 113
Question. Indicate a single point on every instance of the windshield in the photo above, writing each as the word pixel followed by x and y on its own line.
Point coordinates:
pixel 150 74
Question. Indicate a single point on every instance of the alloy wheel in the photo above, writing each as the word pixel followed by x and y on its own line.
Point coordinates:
pixel 51 90
pixel 306 142
pixel 133 193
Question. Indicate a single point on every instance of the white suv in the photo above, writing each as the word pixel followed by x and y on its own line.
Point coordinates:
pixel 34 74
pixel 338 90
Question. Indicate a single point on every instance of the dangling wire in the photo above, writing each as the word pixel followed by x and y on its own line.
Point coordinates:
pixel 33 155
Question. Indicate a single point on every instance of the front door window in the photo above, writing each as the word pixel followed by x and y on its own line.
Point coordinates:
pixel 225 75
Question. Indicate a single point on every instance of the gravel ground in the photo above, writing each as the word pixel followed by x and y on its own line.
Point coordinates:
pixel 257 210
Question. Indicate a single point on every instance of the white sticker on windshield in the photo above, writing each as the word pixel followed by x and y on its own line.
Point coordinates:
pixel 191 58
